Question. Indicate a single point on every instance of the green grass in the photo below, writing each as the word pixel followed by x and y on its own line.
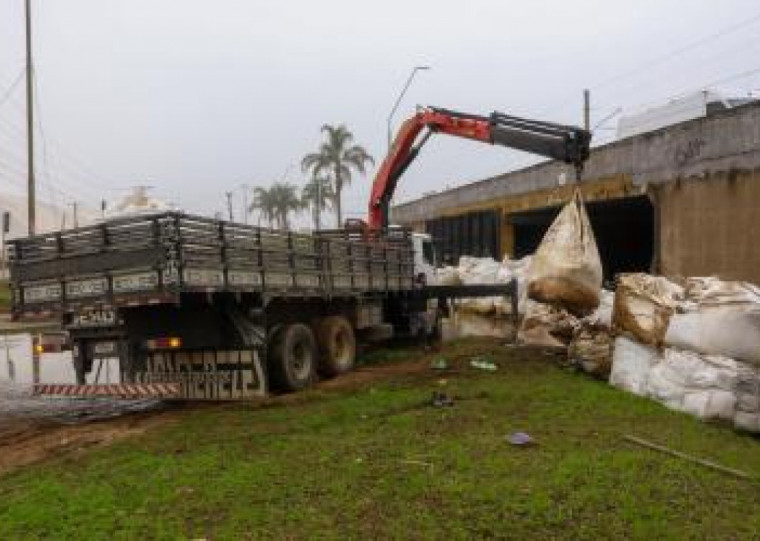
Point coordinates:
pixel 378 463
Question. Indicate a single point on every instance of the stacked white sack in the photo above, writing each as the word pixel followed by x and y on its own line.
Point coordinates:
pixel 474 271
pixel 720 318
pixel 709 331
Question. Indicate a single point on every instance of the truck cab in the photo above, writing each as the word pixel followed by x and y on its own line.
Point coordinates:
pixel 425 259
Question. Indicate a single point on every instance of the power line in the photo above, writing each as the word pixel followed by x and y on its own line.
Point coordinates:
pixel 720 56
pixel 563 106
pixel 679 51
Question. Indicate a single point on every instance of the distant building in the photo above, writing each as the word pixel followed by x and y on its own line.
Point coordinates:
pixel 696 105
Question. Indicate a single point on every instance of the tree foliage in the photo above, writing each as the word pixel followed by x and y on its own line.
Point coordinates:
pixel 339 158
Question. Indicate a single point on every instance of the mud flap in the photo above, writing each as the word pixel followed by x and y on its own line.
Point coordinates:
pixel 208 374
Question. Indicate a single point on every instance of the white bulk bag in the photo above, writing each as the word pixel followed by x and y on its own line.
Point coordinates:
pixel 643 306
pixel 631 364
pixel 725 320
pixel 566 269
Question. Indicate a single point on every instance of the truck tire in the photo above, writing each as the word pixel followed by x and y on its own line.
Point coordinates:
pixel 337 346
pixel 292 358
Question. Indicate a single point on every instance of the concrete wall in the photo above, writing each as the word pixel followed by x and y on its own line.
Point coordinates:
pixel 711 226
pixel 702 175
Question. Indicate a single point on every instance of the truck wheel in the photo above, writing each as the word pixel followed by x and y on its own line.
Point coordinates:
pixel 292 357
pixel 337 346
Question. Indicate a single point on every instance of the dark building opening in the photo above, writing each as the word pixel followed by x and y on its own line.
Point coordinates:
pixel 475 233
pixel 624 231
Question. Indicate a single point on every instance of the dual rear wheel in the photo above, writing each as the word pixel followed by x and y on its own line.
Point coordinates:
pixel 297 353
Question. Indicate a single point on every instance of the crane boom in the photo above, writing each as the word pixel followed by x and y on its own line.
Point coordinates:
pixel 565 143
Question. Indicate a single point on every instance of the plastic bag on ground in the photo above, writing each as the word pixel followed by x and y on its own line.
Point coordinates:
pixel 643 306
pixel 724 320
pixel 566 269
pixel 631 365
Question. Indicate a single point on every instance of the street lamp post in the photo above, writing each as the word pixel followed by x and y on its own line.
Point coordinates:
pixel 400 97
pixel 246 211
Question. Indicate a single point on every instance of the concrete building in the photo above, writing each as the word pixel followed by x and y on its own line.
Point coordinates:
pixel 683 200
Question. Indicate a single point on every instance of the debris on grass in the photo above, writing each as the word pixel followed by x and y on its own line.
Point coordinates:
pixel 483 362
pixel 678 454
pixel 521 439
pixel 439 363
pixel 417 463
pixel 441 400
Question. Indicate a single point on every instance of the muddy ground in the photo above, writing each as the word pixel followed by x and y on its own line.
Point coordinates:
pixel 33 429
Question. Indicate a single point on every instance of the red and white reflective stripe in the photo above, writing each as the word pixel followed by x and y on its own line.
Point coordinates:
pixel 121 390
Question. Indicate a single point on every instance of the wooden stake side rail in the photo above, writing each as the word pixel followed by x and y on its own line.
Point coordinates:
pixel 153 259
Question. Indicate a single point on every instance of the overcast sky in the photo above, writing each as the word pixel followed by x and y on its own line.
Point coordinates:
pixel 196 97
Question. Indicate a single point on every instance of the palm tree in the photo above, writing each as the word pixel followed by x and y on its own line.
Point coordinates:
pixel 264 201
pixel 318 193
pixel 338 158
pixel 285 201
pixel 276 203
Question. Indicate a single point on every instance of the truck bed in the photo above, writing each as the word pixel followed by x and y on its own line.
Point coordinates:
pixel 155 259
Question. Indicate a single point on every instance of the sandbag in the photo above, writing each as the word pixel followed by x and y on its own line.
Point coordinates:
pixel 591 350
pixel 447 276
pixel 472 324
pixel 602 316
pixel 566 270
pixel 748 422
pixel 747 388
pixel 725 320
pixel 643 306
pixel 665 386
pixel 631 365
pixel 474 270
pixel 712 404
pixel 546 325
pixel 709 291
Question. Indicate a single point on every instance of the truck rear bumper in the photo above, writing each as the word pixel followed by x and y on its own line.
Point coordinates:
pixel 120 390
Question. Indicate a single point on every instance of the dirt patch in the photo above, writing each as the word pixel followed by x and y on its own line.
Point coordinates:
pixel 365 375
pixel 24 441
pixel 33 430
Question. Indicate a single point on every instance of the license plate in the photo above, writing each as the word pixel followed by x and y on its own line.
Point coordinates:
pixel 105 350
pixel 103 317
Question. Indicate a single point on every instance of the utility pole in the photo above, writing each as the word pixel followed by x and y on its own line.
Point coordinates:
pixel 74 215
pixel 31 196
pixel 587 109
pixel 229 203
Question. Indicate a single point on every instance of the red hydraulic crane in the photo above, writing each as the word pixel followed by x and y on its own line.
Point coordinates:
pixel 566 143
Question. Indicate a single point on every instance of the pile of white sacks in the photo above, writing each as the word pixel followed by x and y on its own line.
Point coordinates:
pixel 693 346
